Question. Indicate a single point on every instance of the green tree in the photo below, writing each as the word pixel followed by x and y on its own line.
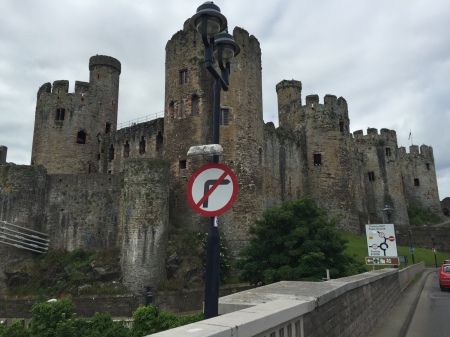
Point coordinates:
pixel 16 329
pixel 149 320
pixel 295 242
pixel 47 315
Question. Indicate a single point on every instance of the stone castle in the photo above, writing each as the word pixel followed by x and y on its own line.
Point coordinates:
pixel 94 186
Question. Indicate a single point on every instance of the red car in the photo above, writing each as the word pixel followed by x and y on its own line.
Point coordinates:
pixel 444 276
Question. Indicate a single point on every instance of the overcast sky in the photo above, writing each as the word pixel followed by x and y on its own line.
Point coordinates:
pixel 390 59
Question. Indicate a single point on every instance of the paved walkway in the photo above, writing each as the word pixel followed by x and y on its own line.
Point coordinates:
pixel 398 319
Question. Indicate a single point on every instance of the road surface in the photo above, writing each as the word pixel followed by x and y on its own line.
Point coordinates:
pixel 432 315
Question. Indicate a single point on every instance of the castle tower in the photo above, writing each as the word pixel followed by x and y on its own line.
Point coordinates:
pixel 381 175
pixel 67 125
pixel 188 122
pixel 419 177
pixel 326 167
pixel 289 95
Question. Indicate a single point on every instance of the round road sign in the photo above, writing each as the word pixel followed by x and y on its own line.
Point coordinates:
pixel 212 189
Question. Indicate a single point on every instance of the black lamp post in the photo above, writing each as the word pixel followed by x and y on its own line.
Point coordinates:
pixel 388 210
pixel 433 241
pixel 410 243
pixel 212 25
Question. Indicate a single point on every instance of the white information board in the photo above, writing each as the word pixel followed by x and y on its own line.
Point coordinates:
pixel 381 240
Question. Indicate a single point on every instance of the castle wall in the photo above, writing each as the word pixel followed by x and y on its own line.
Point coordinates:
pixel 67 124
pixel 419 177
pixel 382 176
pixel 22 201
pixel 144 140
pixel 284 165
pixel 145 214
pixel 83 211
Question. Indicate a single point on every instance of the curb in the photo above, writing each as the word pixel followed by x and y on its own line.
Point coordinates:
pixel 405 325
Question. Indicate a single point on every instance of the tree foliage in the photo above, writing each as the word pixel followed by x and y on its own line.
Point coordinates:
pixel 295 242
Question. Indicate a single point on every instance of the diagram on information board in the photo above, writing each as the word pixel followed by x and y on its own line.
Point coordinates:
pixel 381 240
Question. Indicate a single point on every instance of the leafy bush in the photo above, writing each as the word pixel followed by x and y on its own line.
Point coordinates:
pixel 420 215
pixel 16 329
pixel 295 242
pixel 149 320
pixel 47 315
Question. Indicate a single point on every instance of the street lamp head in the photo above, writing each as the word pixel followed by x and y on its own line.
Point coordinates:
pixel 225 48
pixel 214 20
pixel 210 150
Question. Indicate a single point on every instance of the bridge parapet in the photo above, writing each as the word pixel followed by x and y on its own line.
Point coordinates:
pixel 350 306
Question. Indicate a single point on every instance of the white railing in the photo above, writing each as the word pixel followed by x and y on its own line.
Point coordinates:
pixel 23 238
pixel 141 120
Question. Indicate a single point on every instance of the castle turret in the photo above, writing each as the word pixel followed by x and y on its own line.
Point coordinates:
pixel 419 178
pixel 67 125
pixel 289 95
pixel 188 121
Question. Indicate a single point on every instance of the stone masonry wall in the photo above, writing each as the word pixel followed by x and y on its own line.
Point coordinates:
pixel 145 214
pixel 83 211
pixel 22 201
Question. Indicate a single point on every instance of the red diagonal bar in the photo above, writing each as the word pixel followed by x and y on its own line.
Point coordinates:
pixel 213 187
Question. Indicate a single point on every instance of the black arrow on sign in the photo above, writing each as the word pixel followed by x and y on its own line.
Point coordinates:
pixel 208 184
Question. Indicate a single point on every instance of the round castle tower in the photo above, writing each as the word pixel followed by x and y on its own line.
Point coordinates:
pixel 67 125
pixel 188 121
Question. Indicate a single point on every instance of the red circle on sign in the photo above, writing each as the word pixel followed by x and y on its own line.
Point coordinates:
pixel 391 238
pixel 197 204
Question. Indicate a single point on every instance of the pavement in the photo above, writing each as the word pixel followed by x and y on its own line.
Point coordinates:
pixel 398 319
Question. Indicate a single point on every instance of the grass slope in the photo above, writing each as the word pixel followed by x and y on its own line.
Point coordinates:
pixel 357 247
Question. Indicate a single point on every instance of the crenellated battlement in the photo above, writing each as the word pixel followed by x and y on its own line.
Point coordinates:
pixel 81 87
pixel 60 87
pixel 372 134
pixel 414 150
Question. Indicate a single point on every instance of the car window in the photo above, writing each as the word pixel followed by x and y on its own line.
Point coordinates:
pixel 447 269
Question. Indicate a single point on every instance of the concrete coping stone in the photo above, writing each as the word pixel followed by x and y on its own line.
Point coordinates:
pixel 319 292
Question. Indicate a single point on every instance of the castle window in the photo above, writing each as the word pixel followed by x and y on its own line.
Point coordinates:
pixel 60 112
pixel 108 127
pixel 159 141
pixel 194 105
pixel 371 176
pixel 388 151
pixel 260 155
pixel 428 166
pixel 416 182
pixel 317 159
pixel 81 137
pixel 142 146
pixel 182 109
pixel 171 109
pixel 341 127
pixel 183 76
pixel 182 167
pixel 224 113
pixel 111 153
pixel 126 150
